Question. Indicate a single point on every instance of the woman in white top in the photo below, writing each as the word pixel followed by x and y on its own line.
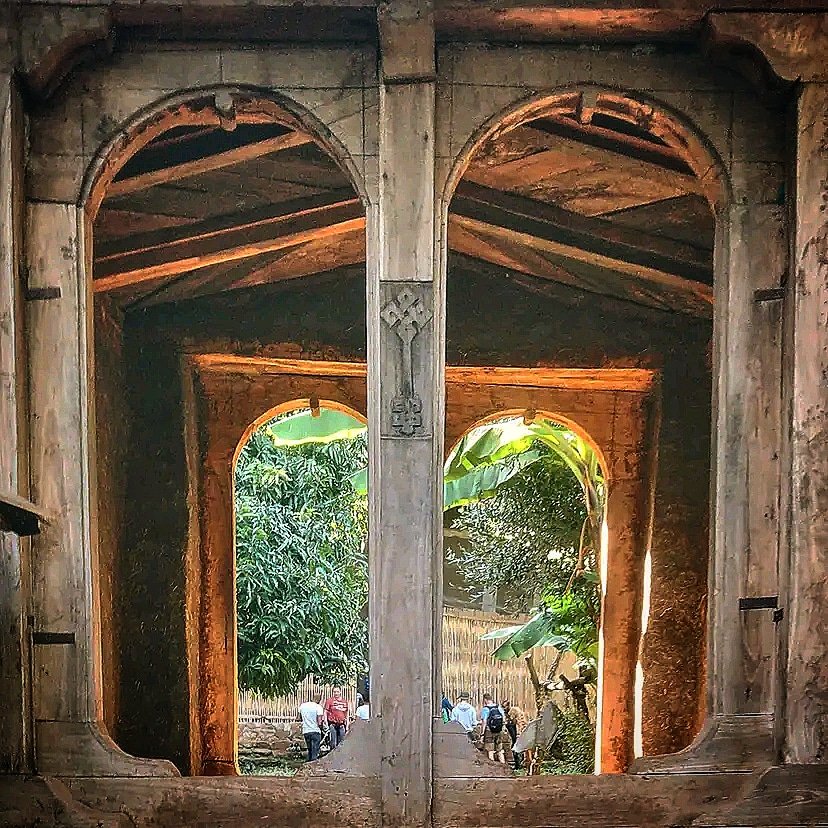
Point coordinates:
pixel 362 712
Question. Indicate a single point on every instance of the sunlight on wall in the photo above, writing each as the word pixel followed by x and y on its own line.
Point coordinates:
pixel 638 747
pixel 599 717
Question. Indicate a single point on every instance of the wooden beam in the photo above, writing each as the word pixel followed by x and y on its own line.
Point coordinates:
pixel 527 239
pixel 612 141
pixel 169 252
pixel 19 515
pixel 205 164
pixel 581 168
pixel 311 257
pixel 628 250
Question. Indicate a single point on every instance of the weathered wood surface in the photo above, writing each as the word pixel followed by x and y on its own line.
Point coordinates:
pixel 358 755
pixel 60 569
pixel 783 797
pixel 609 801
pixel 237 802
pixel 793 795
pixel 27 801
pixel 15 736
pixel 806 717
pixel 405 450
pixel 725 744
pixel 751 256
pixel 456 757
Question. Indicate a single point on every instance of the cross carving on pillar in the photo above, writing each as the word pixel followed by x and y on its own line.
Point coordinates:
pixel 406 315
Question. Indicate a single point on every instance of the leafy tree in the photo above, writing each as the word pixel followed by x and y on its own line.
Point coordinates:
pixel 524 540
pixel 301 561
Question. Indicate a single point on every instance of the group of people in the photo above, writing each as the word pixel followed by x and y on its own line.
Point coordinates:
pixel 495 727
pixel 331 720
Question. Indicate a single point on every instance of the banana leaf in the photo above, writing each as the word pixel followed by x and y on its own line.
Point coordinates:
pixel 325 427
pixel 474 485
pixel 540 630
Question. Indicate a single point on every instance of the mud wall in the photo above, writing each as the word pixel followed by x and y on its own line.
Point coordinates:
pixel 491 320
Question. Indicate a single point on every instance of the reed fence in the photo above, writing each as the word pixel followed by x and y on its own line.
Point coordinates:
pixel 285 709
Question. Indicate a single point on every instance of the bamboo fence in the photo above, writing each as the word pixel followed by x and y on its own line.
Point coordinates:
pixel 285 709
pixel 467 666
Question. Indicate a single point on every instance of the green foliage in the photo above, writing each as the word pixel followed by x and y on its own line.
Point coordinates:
pixel 301 562
pixel 539 535
pixel 573 750
pixel 525 539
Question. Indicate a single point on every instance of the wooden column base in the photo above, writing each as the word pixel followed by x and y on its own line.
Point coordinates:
pixel 726 743
pixel 80 749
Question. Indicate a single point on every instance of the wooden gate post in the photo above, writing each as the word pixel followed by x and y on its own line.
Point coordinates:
pixel 66 695
pixel 15 736
pixel 404 387
pixel 806 684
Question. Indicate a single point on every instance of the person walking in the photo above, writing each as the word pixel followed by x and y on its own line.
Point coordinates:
pixel 465 713
pixel 337 713
pixel 312 716
pixel 364 710
pixel 446 707
pixel 495 736
pixel 516 721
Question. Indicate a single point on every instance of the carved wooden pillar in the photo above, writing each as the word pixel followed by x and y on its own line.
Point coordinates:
pixel 806 683
pixel 404 388
pixel 15 738
pixel 790 683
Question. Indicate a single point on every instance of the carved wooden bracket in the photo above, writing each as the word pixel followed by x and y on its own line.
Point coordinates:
pixel 54 40
pixel 406 35
pixel 793 46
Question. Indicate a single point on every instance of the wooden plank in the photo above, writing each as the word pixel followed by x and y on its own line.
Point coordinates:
pixel 205 164
pixel 595 379
pixel 59 569
pixel 166 253
pixel 748 495
pixel 640 380
pixel 306 259
pixel 256 366
pixel 607 801
pixel 238 802
pixel 806 736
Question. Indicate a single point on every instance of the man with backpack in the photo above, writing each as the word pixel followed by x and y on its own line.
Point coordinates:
pixel 495 737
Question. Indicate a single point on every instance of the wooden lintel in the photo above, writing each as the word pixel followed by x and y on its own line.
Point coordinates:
pixel 205 164
pixel 172 251
pixel 637 380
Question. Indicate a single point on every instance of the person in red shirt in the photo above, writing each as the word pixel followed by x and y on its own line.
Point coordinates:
pixel 338 714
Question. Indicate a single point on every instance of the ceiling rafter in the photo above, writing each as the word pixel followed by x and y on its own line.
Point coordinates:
pixel 164 253
pixel 204 163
